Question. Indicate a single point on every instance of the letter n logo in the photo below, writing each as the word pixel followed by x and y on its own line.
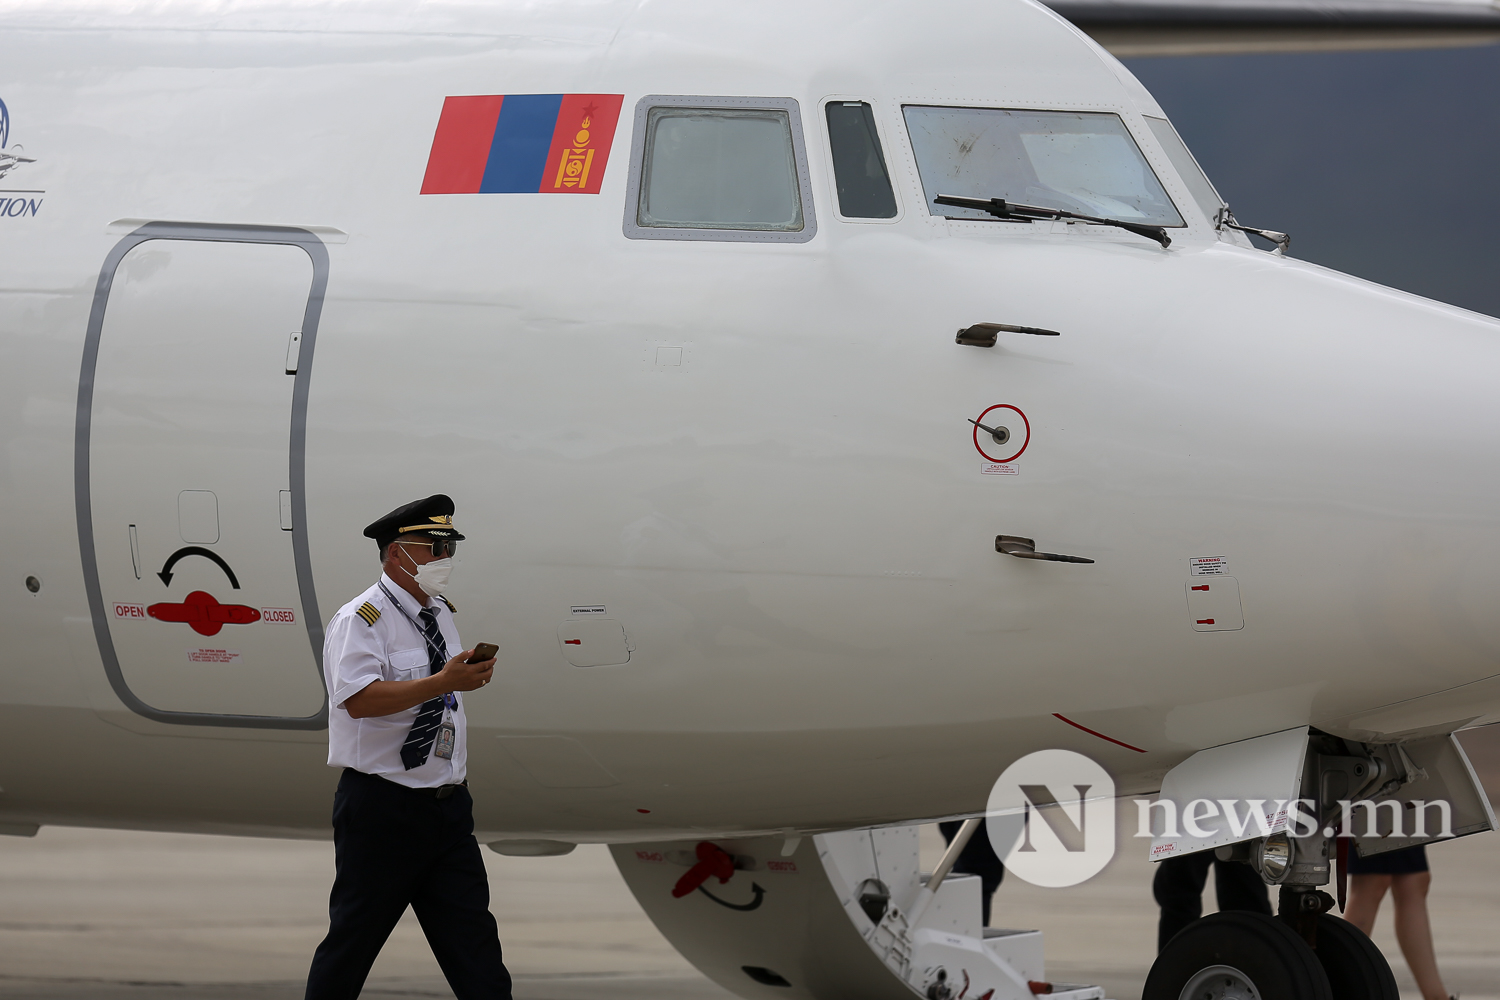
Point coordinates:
pixel 1039 802
pixel 1051 818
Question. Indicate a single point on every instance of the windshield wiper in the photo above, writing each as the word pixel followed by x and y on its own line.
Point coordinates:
pixel 1282 240
pixel 1011 212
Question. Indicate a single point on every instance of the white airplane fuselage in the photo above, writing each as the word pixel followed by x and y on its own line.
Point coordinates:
pixel 756 458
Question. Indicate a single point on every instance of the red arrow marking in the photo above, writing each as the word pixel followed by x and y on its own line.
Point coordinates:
pixel 572 642
pixel 204 613
pixel 1205 621
pixel 1204 587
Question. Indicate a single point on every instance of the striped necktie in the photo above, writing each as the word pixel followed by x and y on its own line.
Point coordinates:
pixel 418 745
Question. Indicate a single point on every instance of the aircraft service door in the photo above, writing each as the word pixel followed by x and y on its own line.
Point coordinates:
pixel 189 440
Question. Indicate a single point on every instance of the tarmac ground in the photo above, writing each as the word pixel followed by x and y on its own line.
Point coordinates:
pixel 113 915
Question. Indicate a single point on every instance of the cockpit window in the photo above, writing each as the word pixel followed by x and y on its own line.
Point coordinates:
pixel 864 183
pixel 1193 177
pixel 1084 162
pixel 718 168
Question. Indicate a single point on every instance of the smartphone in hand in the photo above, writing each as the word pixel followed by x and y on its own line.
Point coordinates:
pixel 483 651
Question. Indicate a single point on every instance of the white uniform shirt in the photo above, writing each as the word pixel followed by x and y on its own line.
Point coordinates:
pixel 357 653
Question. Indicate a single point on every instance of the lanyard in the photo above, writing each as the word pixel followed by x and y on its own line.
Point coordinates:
pixel 450 699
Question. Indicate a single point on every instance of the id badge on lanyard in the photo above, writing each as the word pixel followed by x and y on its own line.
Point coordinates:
pixel 447 734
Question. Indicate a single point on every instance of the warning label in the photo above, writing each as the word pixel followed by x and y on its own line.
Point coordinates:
pixel 1209 566
pixel 790 867
pixel 130 611
pixel 285 615
pixel 1000 469
pixel 213 656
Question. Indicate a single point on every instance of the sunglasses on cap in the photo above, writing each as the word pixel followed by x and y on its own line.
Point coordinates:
pixel 440 546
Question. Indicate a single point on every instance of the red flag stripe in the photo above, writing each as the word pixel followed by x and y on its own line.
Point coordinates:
pixel 461 146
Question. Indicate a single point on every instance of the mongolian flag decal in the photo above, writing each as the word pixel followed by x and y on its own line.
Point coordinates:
pixel 522 143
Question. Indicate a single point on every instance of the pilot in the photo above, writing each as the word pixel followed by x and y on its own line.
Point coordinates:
pixel 403 826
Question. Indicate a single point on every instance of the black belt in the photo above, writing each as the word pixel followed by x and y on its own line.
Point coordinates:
pixel 440 792
pixel 443 791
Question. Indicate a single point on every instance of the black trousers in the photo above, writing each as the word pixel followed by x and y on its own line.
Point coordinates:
pixel 977 858
pixel 1178 888
pixel 395 847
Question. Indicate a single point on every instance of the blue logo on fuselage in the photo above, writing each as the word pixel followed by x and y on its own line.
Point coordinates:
pixel 14 207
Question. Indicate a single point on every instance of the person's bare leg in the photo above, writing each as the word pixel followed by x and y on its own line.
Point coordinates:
pixel 1414 932
pixel 1365 894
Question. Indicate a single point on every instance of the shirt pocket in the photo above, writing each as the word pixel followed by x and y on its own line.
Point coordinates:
pixel 408 664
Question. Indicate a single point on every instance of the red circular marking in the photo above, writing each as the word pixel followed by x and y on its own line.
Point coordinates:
pixel 1003 406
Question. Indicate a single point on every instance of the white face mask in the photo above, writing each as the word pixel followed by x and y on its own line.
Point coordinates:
pixel 432 577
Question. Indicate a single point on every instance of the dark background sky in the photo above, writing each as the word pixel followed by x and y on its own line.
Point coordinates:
pixel 1382 164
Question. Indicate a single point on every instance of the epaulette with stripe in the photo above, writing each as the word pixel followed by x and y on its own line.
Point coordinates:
pixel 451 609
pixel 369 612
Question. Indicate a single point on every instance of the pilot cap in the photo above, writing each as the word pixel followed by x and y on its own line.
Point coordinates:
pixel 432 516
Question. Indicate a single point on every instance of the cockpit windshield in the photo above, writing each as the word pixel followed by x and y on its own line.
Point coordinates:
pixel 1084 162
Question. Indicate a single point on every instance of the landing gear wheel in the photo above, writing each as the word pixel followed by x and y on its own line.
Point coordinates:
pixel 1237 956
pixel 1356 969
pixel 1220 982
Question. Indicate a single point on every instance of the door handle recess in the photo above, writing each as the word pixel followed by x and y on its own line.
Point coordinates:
pixel 985 334
pixel 1025 548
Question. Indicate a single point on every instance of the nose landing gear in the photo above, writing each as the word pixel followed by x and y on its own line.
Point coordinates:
pixel 1237 955
pixel 1304 954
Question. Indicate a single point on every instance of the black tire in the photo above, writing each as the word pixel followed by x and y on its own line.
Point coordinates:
pixel 1263 951
pixel 1356 968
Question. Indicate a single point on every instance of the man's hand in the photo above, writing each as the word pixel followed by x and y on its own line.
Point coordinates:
pixel 389 697
pixel 458 675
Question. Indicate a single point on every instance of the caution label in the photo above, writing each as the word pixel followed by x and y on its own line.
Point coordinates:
pixel 1209 566
pixel 201 655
